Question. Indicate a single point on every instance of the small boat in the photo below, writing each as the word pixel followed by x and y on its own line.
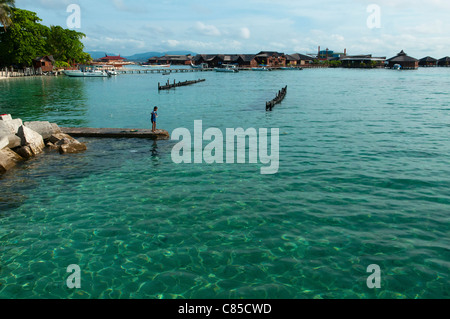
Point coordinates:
pixel 200 66
pixel 262 69
pixel 91 73
pixel 166 73
pixel 227 68
pixel 112 72
pixel 397 67
pixel 289 68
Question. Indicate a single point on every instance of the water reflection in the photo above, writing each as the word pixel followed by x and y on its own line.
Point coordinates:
pixel 61 100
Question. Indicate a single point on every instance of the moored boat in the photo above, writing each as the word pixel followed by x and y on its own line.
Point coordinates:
pixel 86 73
pixel 262 69
pixel 227 68
pixel 112 72
pixel 200 66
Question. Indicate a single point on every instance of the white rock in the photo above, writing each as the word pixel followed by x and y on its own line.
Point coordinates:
pixel 46 129
pixel 4 142
pixel 10 125
pixel 32 139
pixel 8 159
pixel 5 117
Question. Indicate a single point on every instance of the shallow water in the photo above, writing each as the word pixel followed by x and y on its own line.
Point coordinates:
pixel 364 179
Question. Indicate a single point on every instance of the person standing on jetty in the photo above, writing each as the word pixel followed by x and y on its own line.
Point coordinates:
pixel 154 116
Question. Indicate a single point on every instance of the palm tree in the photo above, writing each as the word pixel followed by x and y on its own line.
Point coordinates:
pixel 5 12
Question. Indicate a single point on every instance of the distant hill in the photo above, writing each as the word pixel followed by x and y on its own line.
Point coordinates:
pixel 142 57
pixel 98 54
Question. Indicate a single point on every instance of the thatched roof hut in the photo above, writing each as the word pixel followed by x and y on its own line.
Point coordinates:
pixel 444 61
pixel 428 61
pixel 44 62
pixel 404 60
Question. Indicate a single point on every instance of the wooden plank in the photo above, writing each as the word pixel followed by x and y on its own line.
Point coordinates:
pixel 115 133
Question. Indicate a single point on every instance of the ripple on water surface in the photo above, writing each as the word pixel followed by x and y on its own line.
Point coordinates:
pixel 364 178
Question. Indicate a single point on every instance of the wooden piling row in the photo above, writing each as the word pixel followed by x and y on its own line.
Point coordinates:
pixel 169 86
pixel 278 99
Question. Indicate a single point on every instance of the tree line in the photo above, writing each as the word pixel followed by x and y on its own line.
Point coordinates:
pixel 23 38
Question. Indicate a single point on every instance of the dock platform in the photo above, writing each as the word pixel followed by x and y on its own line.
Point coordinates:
pixel 115 133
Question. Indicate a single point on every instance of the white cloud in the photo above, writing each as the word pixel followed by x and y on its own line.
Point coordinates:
pixel 172 43
pixel 104 43
pixel 245 33
pixel 208 30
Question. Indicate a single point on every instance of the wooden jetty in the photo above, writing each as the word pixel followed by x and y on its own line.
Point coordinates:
pixel 162 70
pixel 169 86
pixel 115 133
pixel 278 99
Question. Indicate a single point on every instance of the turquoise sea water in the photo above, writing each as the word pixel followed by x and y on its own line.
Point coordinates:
pixel 364 179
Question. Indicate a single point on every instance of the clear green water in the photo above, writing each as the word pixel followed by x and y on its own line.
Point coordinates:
pixel 364 179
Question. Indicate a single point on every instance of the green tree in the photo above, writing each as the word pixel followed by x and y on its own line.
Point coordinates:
pixel 5 12
pixel 23 40
pixel 65 45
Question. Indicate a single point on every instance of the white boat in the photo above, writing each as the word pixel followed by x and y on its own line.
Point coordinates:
pixel 227 68
pixel 86 73
pixel 397 67
pixel 261 69
pixel 200 66
pixel 112 72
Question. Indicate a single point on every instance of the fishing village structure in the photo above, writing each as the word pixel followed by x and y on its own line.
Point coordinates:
pixel 363 61
pixel 428 62
pixel 445 62
pixel 171 59
pixel 406 62
pixel 269 59
pixel 45 63
pixel 115 61
pixel 272 60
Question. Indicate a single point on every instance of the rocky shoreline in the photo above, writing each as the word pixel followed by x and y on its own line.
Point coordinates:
pixel 20 141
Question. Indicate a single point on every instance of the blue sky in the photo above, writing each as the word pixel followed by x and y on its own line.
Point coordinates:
pixel 126 27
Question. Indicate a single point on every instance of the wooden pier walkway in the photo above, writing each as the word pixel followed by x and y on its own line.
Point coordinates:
pixel 278 99
pixel 169 86
pixel 162 70
pixel 115 133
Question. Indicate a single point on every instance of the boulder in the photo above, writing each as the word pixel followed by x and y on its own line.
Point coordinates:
pixel 9 129
pixel 6 133
pixel 67 144
pixel 46 129
pixel 4 142
pixel 14 141
pixel 25 152
pixel 8 159
pixel 61 138
pixel 72 148
pixel 51 146
pixel 5 117
pixel 11 126
pixel 32 139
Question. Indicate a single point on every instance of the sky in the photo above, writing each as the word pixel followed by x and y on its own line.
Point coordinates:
pixel 378 27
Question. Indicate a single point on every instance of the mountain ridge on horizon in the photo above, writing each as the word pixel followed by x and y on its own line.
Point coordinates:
pixel 140 56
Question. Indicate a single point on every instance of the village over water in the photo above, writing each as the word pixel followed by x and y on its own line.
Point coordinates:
pixel 264 60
